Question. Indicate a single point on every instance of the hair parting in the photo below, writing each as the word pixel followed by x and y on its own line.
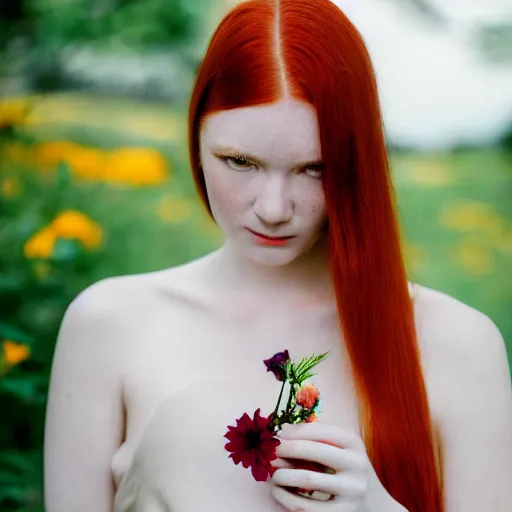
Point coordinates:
pixel 264 51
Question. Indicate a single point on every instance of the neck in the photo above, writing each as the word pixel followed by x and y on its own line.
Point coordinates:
pixel 305 278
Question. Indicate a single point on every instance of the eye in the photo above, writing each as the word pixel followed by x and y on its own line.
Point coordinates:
pixel 314 172
pixel 237 162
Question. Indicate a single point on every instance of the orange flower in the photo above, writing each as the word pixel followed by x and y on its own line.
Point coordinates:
pixel 87 163
pixel 312 418
pixel 136 166
pixel 51 154
pixel 15 352
pixel 307 396
pixel 74 225
pixel 40 245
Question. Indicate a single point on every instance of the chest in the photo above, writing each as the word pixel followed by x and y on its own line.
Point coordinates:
pixel 233 344
pixel 202 349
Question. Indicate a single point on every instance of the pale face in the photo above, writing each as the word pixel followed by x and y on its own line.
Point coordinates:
pixel 262 167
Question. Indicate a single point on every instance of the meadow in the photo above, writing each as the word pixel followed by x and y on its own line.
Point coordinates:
pixel 92 187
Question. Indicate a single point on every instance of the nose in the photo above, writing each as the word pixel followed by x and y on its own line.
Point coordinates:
pixel 273 205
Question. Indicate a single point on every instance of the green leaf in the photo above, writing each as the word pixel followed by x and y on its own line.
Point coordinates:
pixel 12 282
pixel 13 493
pixel 65 250
pixel 25 387
pixel 64 176
pixel 9 478
pixel 301 370
pixel 16 462
pixel 10 332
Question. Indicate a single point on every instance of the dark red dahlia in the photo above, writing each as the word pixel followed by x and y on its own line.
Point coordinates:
pixel 277 365
pixel 253 444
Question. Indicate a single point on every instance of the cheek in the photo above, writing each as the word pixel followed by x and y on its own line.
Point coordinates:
pixel 224 194
pixel 313 207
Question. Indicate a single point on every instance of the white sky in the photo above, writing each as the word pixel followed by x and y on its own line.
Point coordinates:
pixel 435 90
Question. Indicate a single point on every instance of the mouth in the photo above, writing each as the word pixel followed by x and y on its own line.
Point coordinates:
pixel 265 237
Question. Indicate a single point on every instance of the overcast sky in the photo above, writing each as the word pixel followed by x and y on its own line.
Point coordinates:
pixel 435 90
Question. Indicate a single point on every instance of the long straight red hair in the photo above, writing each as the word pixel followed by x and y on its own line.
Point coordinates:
pixel 262 52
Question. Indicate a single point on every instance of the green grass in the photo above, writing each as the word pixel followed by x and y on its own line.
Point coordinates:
pixel 471 264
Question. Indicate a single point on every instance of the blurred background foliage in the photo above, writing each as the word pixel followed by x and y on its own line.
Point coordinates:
pixel 95 182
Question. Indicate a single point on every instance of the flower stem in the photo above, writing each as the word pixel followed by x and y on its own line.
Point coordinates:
pixel 279 399
pixel 292 391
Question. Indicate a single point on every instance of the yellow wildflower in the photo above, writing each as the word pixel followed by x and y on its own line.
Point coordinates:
pixel 13 112
pixel 50 154
pixel 87 163
pixel 84 162
pixel 10 187
pixel 430 173
pixel 476 256
pixel 74 225
pixel 41 244
pixel 470 216
pixel 42 269
pixel 136 166
pixel 503 242
pixel 174 209
pixel 414 256
pixel 17 153
pixel 15 352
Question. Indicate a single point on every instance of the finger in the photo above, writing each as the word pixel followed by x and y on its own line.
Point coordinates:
pixel 295 502
pixel 281 463
pixel 329 434
pixel 330 456
pixel 306 480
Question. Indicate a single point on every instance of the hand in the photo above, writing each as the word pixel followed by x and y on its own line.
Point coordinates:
pixel 347 475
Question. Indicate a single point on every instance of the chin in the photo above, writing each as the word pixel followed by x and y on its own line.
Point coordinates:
pixel 275 256
pixel 266 258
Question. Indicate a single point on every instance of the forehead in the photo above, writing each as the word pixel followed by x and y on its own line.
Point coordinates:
pixel 288 128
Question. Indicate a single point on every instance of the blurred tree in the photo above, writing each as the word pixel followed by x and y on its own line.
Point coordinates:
pixel 139 23
pixel 492 39
pixel 425 9
pixel 35 34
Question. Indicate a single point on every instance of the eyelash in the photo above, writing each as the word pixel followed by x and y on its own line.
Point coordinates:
pixel 227 159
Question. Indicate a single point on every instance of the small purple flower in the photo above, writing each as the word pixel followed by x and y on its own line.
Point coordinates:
pixel 277 365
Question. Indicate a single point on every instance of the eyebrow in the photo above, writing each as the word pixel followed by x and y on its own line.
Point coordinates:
pixel 226 151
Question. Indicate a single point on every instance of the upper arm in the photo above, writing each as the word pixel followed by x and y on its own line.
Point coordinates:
pixel 476 424
pixel 84 415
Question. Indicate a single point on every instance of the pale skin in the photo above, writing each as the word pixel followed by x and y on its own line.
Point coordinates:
pixel 154 366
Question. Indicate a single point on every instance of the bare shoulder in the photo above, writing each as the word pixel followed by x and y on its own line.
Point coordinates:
pixel 462 349
pixel 110 296
pixel 470 394
pixel 85 415
pixel 451 328
pixel 114 299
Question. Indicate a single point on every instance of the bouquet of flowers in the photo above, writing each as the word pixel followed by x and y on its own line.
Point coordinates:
pixel 253 441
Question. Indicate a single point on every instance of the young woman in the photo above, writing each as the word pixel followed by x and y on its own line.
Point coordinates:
pixel 286 141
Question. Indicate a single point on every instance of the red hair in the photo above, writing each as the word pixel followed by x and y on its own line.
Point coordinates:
pixel 263 51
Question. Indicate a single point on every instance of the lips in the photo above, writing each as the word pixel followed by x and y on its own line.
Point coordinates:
pixel 270 237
